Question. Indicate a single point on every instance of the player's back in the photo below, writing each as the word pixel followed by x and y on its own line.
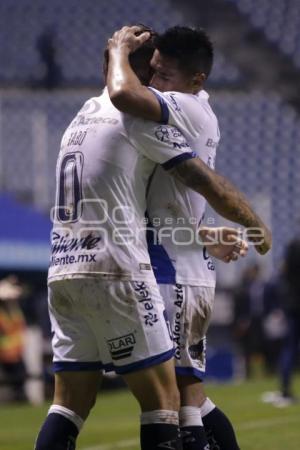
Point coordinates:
pixel 100 198
pixel 178 213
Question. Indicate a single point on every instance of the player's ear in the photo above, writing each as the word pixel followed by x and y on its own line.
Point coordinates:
pixel 198 80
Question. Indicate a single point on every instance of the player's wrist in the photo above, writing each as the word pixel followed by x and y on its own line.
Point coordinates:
pixel 119 51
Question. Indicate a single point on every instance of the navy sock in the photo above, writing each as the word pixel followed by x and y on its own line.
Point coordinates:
pixel 194 438
pixel 219 431
pixel 155 435
pixel 57 433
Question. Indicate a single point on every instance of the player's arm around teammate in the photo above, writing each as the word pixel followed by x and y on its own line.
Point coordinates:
pixel 129 95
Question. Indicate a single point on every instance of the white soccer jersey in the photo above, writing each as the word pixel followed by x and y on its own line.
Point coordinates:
pixel 174 210
pixel 103 168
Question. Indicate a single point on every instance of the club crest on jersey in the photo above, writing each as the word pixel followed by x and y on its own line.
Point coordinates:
pixel 121 347
pixel 170 135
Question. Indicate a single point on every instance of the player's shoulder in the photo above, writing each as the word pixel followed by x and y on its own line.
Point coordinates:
pixel 196 105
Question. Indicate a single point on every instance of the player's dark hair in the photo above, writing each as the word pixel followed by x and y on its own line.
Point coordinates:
pixel 191 48
pixel 140 59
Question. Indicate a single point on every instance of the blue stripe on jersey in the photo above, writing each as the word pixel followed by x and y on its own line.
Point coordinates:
pixel 164 107
pixel 153 360
pixel 190 371
pixel 178 159
pixel 162 266
pixel 74 366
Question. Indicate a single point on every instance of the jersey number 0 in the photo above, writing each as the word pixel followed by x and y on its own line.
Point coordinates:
pixel 69 191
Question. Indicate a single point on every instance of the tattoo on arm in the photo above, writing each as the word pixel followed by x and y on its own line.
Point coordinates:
pixel 220 193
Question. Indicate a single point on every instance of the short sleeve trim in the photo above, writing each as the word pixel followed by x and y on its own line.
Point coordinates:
pixel 178 159
pixel 164 107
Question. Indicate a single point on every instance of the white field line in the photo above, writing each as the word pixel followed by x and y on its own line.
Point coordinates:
pixel 268 423
pixel 245 426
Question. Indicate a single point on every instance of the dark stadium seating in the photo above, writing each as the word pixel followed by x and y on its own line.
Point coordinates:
pixel 80 31
pixel 279 20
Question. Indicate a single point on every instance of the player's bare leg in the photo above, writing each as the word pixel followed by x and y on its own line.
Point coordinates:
pixel 77 391
pixel 218 428
pixel 191 391
pixel 156 391
pixel 75 395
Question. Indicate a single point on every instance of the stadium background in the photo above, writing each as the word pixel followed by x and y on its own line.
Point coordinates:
pixel 50 63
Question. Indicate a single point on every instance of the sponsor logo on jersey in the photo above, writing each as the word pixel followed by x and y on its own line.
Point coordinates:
pixel 175 104
pixel 171 136
pixel 61 244
pixel 178 304
pixel 121 347
pixel 211 143
pixel 144 299
pixel 80 119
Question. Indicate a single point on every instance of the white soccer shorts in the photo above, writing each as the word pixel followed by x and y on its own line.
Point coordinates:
pixel 189 311
pixel 111 325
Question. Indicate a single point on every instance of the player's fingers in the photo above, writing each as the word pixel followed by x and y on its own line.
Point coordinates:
pixel 234 239
pixel 125 31
pixel 241 247
pixel 134 28
pixel 143 37
pixel 244 249
pixel 241 244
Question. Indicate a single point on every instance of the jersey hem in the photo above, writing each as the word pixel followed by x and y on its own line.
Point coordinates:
pixel 144 363
pixel 77 366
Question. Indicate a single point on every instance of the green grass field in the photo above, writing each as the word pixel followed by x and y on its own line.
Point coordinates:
pixel 113 424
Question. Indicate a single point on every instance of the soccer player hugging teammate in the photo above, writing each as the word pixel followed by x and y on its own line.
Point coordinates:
pixel 105 306
pixel 181 63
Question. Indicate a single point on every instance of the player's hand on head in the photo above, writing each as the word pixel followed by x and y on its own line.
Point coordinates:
pixel 128 39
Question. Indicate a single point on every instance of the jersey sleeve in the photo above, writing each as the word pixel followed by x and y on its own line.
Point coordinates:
pixel 182 111
pixel 162 144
